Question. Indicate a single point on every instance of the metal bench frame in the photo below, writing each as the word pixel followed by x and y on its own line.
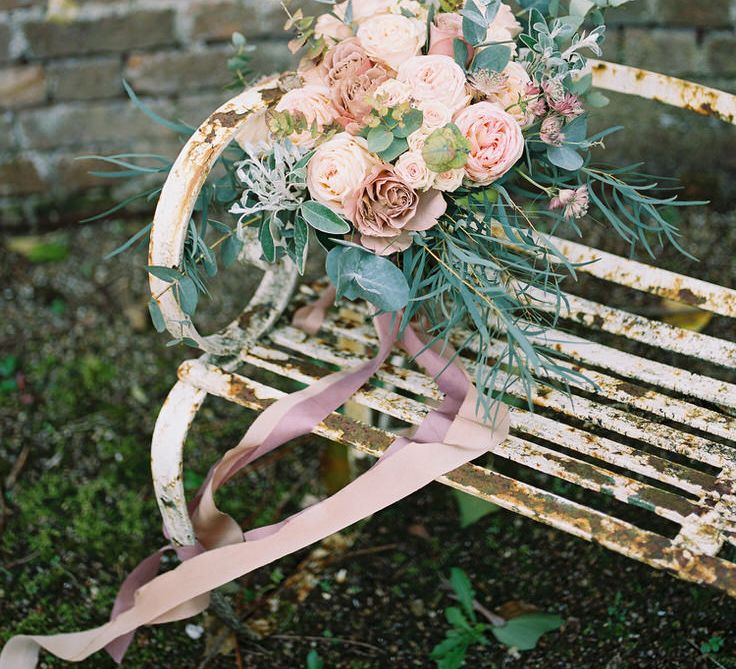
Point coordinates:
pixel 666 412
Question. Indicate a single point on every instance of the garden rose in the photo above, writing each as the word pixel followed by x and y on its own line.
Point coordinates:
pixel 449 181
pixel 345 60
pixel 436 114
pixel 313 101
pixel 337 168
pixel 437 79
pixel 510 92
pixel 385 210
pixel 392 38
pixel 496 141
pixel 392 93
pixel 254 131
pixel 445 29
pixel 414 171
pixel 352 97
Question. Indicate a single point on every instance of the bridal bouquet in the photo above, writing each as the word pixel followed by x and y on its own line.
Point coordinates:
pixel 431 148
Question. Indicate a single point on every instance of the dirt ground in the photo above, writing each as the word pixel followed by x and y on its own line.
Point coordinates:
pixel 85 377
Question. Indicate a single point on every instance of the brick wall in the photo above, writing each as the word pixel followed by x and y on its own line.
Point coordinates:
pixel 61 94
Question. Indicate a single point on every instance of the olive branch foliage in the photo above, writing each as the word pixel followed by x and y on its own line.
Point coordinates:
pixel 487 279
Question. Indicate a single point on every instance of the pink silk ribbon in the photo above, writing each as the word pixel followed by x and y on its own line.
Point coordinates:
pixel 449 437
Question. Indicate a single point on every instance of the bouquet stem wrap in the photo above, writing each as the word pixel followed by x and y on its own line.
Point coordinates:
pixel 450 436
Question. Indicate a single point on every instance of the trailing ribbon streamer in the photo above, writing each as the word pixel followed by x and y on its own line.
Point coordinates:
pixel 449 437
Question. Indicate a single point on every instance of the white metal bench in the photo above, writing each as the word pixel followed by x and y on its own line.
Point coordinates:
pixel 653 436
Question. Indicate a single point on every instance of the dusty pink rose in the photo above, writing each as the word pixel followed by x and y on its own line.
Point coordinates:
pixel 444 30
pixel 345 60
pixel 351 98
pixel 312 102
pixel 496 141
pixel 385 210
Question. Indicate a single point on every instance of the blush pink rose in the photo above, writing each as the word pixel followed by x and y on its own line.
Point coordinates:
pixel 385 210
pixel 312 102
pixel 496 141
pixel 444 30
pixel 435 79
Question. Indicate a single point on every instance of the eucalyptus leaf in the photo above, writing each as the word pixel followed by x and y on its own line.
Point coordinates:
pixel 188 295
pixel 398 147
pixel 168 274
pixel 493 58
pixel 379 139
pixel 157 318
pixel 359 274
pixel 231 249
pixel 565 158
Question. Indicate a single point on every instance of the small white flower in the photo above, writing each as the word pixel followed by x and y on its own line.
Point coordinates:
pixel 194 631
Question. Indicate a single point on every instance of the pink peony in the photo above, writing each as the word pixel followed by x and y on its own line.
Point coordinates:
pixel 496 141
pixel 385 210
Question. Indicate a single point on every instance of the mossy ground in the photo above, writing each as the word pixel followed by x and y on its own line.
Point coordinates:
pixel 90 376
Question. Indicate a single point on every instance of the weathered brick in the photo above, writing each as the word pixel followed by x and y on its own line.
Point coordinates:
pixel 18 176
pixel 137 30
pixel 691 13
pixel 640 11
pixel 176 71
pixel 252 18
pixel 673 52
pixel 18 4
pixel 271 57
pixel 85 79
pixel 720 49
pixel 77 124
pixel 22 86
pixel 4 42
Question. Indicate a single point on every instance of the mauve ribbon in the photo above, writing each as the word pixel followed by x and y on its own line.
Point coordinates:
pixel 449 437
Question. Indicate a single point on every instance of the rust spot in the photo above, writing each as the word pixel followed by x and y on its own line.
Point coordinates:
pixel 632 390
pixel 598 321
pixel 227 119
pixel 688 297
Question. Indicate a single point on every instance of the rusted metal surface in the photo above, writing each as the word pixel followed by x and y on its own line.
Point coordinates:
pixel 662 88
pixel 171 221
pixel 650 435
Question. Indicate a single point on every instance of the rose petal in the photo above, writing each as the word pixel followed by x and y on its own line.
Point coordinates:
pixel 384 246
pixel 431 207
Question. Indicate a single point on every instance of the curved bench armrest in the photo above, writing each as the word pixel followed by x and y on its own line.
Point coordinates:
pixel 171 222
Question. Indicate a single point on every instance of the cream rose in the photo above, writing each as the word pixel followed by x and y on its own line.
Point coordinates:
pixel 435 79
pixel 496 141
pixel 337 168
pixel 436 114
pixel 510 92
pixel 449 181
pixel 254 131
pixel 331 28
pixel 392 93
pixel 313 102
pixel 416 139
pixel 414 171
pixel 505 20
pixel 392 38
